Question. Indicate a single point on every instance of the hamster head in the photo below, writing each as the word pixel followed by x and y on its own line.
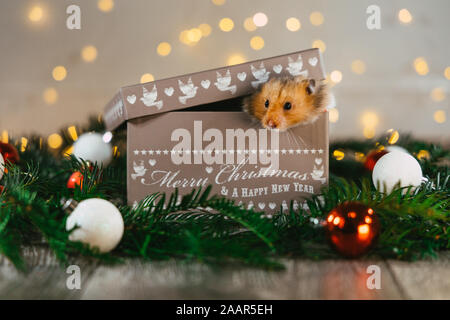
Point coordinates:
pixel 282 103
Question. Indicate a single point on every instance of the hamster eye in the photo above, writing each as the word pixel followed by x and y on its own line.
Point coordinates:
pixel 266 104
pixel 287 106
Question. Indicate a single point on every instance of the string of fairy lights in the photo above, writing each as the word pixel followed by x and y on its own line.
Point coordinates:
pixel 190 37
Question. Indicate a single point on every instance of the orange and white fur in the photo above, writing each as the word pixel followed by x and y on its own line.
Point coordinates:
pixel 283 103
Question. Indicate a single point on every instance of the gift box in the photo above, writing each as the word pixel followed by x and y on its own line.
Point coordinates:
pixel 190 131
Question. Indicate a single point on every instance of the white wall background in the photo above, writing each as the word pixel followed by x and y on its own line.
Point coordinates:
pixel 126 39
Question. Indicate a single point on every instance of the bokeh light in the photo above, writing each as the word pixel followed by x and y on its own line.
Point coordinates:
pixel 437 94
pixel 369 132
pixel 394 136
pixel 439 116
pixel 370 119
pixel 404 16
pixel 257 43
pixel 54 141
pixel 164 49
pixel 226 24
pixel 249 25
pixel 205 29
pixel 72 130
pixel 36 14
pixel 319 44
pixel 235 59
pixel 293 24
pixel 423 154
pixel 147 77
pixel 89 53
pixel 218 2
pixel 260 19
pixel 333 115
pixel 23 144
pixel 105 5
pixel 336 76
pixel 421 66
pixel 447 73
pixel 59 73
pixel 316 18
pixel 358 67
pixel 194 35
pixel 50 96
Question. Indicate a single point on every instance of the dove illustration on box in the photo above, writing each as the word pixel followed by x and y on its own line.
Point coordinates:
pixel 189 132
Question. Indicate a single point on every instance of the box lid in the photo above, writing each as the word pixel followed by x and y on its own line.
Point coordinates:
pixel 208 86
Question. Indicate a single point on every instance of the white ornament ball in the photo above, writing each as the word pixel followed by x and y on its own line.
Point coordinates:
pixel 91 147
pixel 2 166
pixel 395 167
pixel 99 222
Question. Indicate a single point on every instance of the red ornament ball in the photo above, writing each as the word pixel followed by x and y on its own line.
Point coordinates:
pixel 372 158
pixel 352 228
pixel 9 153
pixel 76 179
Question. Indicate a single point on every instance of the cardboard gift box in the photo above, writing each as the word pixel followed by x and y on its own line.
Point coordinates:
pixel 190 131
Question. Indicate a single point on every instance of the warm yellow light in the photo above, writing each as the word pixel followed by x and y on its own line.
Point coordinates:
pixel 369 119
pixel 370 211
pixel 184 37
pixel 439 116
pixel 394 137
pixel 338 154
pixel 89 53
pixel 50 95
pixel 105 5
pixel 36 14
pixel 421 66
pixel 5 136
pixel 447 73
pixel 293 24
pixel 226 24
pixel 164 48
pixel 369 132
pixel 368 220
pixel 316 18
pixel 320 45
pixel 218 2
pixel 260 19
pixel 336 76
pixel 147 77
pixel 330 218
pixel 437 94
pixel 423 154
pixel 54 141
pixel 336 221
pixel 205 29
pixel 249 25
pixel 23 144
pixel 68 151
pixel 358 66
pixel 359 156
pixel 352 214
pixel 257 43
pixel 333 115
pixel 404 16
pixel 59 73
pixel 73 132
pixel 235 59
pixel 194 35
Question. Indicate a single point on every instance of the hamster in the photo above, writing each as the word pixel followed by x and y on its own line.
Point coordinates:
pixel 283 103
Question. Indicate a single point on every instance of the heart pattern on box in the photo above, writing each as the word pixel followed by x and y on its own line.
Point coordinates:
pixel 318 161
pixel 152 162
pixel 205 84
pixel 277 68
pixel 242 75
pixel 261 205
pixel 131 99
pixel 169 91
pixel 209 169
pixel 272 205
pixel 313 61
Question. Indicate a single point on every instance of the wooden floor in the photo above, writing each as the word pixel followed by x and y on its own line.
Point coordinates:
pixel 330 279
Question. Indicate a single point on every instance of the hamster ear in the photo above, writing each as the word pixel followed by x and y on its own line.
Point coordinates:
pixel 311 87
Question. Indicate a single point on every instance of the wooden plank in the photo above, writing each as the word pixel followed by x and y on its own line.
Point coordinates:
pixel 301 280
pixel 45 279
pixel 423 279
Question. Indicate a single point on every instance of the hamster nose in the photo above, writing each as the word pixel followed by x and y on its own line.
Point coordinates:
pixel 271 124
